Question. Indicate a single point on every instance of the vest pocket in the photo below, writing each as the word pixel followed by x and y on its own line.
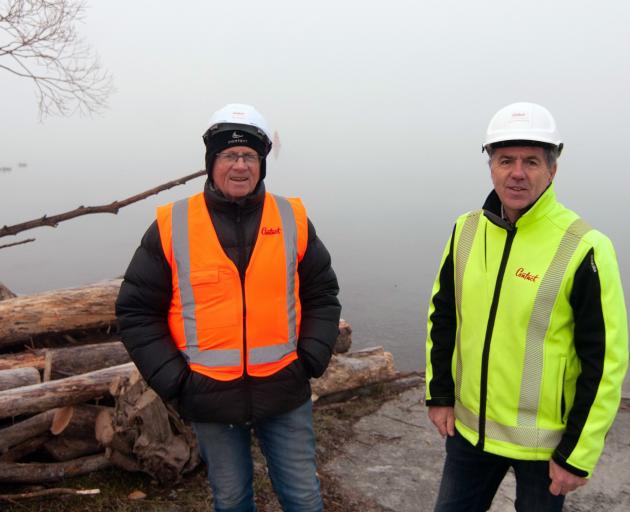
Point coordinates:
pixel 215 302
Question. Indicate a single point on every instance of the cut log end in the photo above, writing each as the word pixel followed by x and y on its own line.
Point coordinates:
pixel 61 419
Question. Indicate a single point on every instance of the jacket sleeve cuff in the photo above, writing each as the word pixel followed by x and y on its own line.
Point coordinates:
pixel 561 461
pixel 314 366
pixel 440 402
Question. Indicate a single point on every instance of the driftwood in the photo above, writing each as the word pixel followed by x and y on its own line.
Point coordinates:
pixel 58 393
pixel 345 372
pixel 140 433
pixel 57 311
pixel 48 492
pixel 143 434
pixel 113 207
pixel 344 338
pixel 354 370
pixel 5 293
pixel 31 427
pixel 75 424
pixel 39 472
pixel 397 384
pixel 24 448
pixel 17 377
pixel 65 448
pixel 33 359
pixel 74 431
pixel 69 360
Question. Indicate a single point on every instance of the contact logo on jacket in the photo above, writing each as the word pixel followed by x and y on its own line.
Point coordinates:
pixel 524 274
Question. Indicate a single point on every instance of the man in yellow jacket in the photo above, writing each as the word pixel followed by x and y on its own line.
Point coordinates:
pixel 527 338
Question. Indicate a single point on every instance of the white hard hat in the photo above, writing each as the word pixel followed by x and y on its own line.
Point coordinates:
pixel 527 122
pixel 237 125
pixel 238 113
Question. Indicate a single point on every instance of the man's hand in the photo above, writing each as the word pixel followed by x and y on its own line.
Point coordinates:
pixel 563 481
pixel 444 419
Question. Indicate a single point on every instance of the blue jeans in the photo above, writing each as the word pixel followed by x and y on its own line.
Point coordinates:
pixel 471 478
pixel 288 444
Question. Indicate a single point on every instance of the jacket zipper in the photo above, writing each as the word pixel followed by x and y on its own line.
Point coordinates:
pixel 241 271
pixel 486 345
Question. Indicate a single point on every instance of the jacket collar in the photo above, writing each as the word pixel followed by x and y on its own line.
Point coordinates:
pixel 536 211
pixel 215 200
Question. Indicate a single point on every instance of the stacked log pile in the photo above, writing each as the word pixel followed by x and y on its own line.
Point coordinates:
pixel 71 402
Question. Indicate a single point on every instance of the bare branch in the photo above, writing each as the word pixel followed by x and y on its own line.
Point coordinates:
pixel 48 492
pixel 39 41
pixel 113 207
pixel 17 243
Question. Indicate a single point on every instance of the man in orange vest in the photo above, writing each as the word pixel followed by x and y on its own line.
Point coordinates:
pixel 228 307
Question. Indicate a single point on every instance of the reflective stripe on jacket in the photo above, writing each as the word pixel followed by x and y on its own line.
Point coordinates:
pixel 219 323
pixel 528 379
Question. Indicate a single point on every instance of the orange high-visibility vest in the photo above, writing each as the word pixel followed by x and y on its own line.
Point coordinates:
pixel 210 306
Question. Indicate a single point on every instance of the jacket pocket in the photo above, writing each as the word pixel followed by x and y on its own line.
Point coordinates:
pixel 560 403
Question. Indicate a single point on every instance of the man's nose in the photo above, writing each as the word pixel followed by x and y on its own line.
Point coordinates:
pixel 519 169
pixel 240 162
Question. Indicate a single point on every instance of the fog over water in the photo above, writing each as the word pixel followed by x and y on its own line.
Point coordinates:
pixel 381 108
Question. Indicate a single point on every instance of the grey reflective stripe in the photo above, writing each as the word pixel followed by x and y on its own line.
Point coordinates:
pixel 539 323
pixel 271 353
pixel 462 254
pixel 181 252
pixel 276 352
pixel 531 437
pixel 212 358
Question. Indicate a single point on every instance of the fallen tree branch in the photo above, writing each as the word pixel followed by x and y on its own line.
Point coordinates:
pixel 40 472
pixel 20 432
pixel 48 492
pixel 113 207
pixel 68 361
pixel 17 243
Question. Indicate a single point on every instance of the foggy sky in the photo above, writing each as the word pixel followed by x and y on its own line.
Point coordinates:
pixel 381 109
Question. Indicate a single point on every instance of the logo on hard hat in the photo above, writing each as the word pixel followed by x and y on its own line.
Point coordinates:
pixel 236 135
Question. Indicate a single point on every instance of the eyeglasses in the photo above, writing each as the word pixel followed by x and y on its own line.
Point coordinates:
pixel 232 158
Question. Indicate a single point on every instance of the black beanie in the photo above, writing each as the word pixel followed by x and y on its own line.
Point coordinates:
pixel 226 135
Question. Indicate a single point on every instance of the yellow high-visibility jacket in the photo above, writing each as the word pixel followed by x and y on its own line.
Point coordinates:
pixel 527 334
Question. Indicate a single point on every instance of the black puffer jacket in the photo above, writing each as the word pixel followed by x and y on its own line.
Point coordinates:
pixel 143 304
